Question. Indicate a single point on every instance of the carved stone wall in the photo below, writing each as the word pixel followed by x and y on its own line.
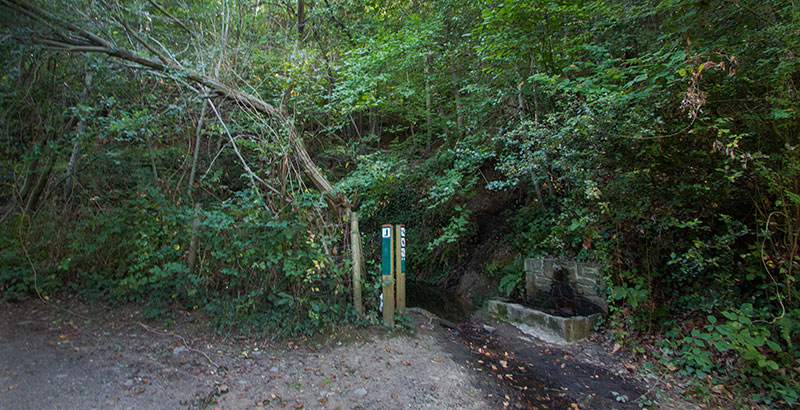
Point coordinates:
pixel 584 277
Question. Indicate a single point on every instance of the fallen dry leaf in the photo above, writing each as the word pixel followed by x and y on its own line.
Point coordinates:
pixel 617 346
pixel 12 387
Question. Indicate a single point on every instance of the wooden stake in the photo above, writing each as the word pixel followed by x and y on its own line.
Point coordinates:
pixel 358 265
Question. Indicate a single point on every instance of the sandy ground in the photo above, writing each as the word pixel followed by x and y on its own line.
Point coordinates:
pixel 67 355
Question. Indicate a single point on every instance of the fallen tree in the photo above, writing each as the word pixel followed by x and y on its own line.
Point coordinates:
pixel 66 35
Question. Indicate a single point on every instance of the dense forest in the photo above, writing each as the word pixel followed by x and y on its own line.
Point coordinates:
pixel 209 155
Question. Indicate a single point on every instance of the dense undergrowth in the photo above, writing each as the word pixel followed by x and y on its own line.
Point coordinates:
pixel 657 138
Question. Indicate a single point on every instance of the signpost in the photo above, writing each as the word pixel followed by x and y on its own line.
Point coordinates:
pixel 400 267
pixel 387 275
pixel 393 271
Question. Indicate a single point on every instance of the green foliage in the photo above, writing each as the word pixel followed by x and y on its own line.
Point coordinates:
pixel 657 138
pixel 253 270
pixel 454 230
pixel 744 349
pixel 511 277
pixel 375 178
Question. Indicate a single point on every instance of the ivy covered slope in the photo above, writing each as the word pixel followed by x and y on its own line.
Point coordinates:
pixel 207 155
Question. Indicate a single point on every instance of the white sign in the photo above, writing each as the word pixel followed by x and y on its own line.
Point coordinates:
pixel 387 232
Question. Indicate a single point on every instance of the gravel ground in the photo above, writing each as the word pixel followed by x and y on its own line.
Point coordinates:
pixel 95 358
pixel 66 355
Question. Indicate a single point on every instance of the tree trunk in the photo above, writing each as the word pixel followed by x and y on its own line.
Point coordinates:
pixel 191 258
pixel 196 153
pixel 457 98
pixel 538 187
pixel 30 177
pixel 428 115
pixel 149 144
pixel 301 19
pixel 41 183
pixel 73 158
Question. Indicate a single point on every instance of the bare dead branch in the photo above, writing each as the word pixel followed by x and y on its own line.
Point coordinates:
pixel 140 40
pixel 171 17
pixel 74 38
pixel 253 175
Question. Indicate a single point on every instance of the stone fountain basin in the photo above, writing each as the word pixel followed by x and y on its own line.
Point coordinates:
pixel 551 329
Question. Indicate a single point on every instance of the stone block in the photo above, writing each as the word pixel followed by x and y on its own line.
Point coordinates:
pixel 589 271
pixel 533 271
pixel 586 288
pixel 553 329
pixel 532 265
pixel 547 268
pixel 570 267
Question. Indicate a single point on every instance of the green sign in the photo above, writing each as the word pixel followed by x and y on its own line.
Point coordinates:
pixel 386 259
pixel 402 249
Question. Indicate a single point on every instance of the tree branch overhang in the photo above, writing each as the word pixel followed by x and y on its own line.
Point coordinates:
pixel 69 36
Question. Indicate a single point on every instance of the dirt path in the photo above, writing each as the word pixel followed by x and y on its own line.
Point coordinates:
pixel 50 358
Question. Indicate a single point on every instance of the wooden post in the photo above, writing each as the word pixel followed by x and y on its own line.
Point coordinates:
pixel 387 275
pixel 400 266
pixel 355 244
